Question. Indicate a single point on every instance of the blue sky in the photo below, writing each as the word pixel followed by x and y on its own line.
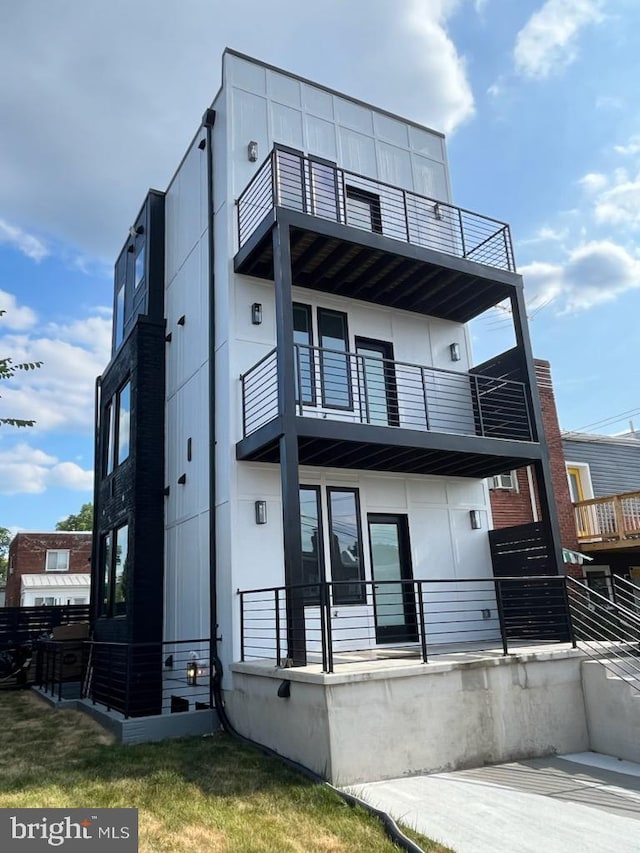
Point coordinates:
pixel 538 99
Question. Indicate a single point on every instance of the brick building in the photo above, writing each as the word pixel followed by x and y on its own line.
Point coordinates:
pixel 49 568
pixel 514 496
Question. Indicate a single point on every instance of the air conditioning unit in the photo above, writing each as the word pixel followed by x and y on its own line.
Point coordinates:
pixel 503 481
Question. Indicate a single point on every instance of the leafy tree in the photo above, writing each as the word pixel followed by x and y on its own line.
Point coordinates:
pixel 82 521
pixel 7 371
pixel 5 539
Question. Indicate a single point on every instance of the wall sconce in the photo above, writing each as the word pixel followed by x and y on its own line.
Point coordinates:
pixel 252 151
pixel 454 350
pixel 261 512
pixel 475 518
pixel 437 212
pixel 256 313
pixel 192 673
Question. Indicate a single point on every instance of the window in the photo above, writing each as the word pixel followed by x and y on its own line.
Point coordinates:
pixel 139 272
pixel 347 568
pixel 334 367
pixel 115 562
pixel 80 601
pixel 363 209
pixel 57 561
pixel 311 534
pixel 324 189
pixel 47 601
pixel 304 360
pixel 504 481
pixel 124 422
pixel 119 322
pixel 598 579
pixel 121 553
pixel 107 440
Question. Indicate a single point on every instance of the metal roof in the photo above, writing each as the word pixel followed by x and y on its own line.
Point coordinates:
pixel 56 579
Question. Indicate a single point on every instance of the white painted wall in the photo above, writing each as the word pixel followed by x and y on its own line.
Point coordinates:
pixel 613 712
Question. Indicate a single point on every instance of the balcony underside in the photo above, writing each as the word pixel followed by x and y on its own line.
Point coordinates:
pixel 352 262
pixel 362 447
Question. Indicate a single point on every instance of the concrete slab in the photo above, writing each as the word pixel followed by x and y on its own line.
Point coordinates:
pixel 578 803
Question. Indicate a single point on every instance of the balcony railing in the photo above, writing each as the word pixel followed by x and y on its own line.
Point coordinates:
pixel 289 179
pixel 612 519
pixel 359 388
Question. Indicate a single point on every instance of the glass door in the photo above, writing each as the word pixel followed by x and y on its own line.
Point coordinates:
pixel 377 381
pixel 394 601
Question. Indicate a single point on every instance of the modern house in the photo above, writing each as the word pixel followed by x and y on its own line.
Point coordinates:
pixel 48 569
pixel 293 439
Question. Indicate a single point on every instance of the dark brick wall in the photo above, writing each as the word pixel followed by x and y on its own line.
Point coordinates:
pixel 28 554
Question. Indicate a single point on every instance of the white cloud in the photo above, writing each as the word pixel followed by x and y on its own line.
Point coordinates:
pixel 27 470
pixel 632 146
pixel 29 245
pixel 620 204
pixel 58 396
pixel 17 317
pixel 594 182
pixel 547 42
pixel 546 235
pixel 592 274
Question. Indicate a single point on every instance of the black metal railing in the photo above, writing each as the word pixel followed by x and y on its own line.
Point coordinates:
pixel 378 391
pixel 134 679
pixel 607 631
pixel 401 618
pixel 291 180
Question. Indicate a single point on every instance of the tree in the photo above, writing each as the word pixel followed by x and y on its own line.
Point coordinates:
pixel 5 540
pixel 7 371
pixel 82 521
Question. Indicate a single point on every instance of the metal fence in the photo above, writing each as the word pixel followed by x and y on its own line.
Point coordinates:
pixel 291 180
pixel 401 618
pixel 354 386
pixel 24 624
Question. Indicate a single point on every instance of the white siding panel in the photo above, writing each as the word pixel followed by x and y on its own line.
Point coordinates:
pixel 426 143
pixel 245 75
pixel 287 126
pixel 354 115
pixel 321 138
pixel 317 102
pixel 187 296
pixel 249 123
pixel 357 153
pixel 429 178
pixel 431 545
pixel 394 167
pixel 283 89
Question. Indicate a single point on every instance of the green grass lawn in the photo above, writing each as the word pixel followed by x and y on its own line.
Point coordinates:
pixel 193 794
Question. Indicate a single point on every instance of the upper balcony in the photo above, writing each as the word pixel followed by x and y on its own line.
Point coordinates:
pixel 610 523
pixel 358 410
pixel 359 237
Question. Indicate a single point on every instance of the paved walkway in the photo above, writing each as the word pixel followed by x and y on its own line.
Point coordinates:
pixel 580 803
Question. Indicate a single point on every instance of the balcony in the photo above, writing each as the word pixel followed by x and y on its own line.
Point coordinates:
pixel 359 237
pixel 356 410
pixel 610 523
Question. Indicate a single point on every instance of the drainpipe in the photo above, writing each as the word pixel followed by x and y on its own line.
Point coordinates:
pixel 208 120
pixel 96 480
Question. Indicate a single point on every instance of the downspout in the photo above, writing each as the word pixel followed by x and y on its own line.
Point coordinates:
pixel 208 121
pixel 97 399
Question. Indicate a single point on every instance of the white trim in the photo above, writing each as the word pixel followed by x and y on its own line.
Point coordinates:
pixel 532 496
pixel 57 552
pixel 585 478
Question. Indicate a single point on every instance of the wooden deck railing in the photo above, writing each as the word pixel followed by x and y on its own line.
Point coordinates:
pixel 615 518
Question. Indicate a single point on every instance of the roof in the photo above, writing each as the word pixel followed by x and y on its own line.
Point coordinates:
pixel 625 440
pixel 56 579
pixel 54 533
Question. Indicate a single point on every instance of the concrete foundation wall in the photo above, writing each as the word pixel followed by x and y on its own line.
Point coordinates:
pixel 613 713
pixel 355 727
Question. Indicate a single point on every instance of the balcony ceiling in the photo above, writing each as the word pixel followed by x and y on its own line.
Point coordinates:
pixel 378 269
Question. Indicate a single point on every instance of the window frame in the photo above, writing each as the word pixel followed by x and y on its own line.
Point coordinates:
pixel 361 598
pixel 312 593
pixel 108 567
pixel 57 551
pixel 117 461
pixel 320 310
pixel 312 360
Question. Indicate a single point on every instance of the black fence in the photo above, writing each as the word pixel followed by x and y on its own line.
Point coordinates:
pixel 401 618
pixel 20 625
pixel 289 179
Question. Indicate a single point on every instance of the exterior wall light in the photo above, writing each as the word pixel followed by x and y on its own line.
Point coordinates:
pixel 252 151
pixel 476 519
pixel 261 512
pixel 256 313
pixel 454 350
pixel 192 673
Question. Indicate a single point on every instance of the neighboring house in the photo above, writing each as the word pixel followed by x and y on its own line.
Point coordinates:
pixel 604 480
pixel 48 569
pixel 292 397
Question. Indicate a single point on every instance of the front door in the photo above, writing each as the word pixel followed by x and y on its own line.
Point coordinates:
pixel 394 602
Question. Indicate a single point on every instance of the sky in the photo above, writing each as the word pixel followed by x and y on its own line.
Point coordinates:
pixel 98 101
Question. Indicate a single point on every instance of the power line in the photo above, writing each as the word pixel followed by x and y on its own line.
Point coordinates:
pixel 612 419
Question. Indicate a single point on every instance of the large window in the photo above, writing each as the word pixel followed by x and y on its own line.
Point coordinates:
pixel 119 322
pixel 139 271
pixel 115 561
pixel 334 367
pixel 347 567
pixel 116 430
pixel 304 361
pixel 311 534
pixel 107 440
pixel 57 561
pixel 124 421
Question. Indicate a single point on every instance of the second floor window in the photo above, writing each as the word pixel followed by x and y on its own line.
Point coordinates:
pixel 334 367
pixel 57 561
pixel 116 429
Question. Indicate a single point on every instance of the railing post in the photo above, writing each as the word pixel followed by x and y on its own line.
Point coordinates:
pixel 464 248
pixel 365 388
pixel 499 602
pixel 322 601
pixel 426 397
pixel 244 406
pixel 567 605
pixel 298 380
pixel 275 199
pixel 242 627
pixel 480 418
pixel 406 215
pixel 619 516
pixel 277 606
pixel 329 628
pixel 507 253
pixel 423 627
